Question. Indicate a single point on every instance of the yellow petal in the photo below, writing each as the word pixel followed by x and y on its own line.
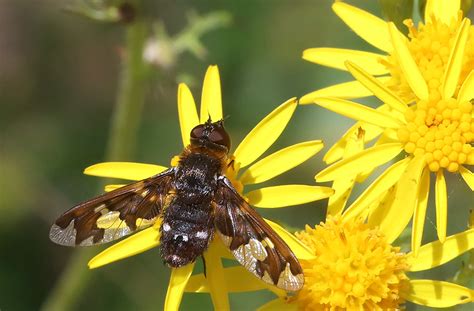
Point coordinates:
pixel 369 27
pixel 342 190
pixel 441 205
pixel 197 283
pixel 238 279
pixel 346 90
pixel 437 294
pixel 336 151
pixel 280 162
pixel 221 250
pixel 113 187
pixel 211 99
pixel 178 279
pixel 400 212
pixel 354 143
pixel 335 58
pixel 343 186
pixel 133 245
pixel 444 11
pixel 215 277
pixel 386 180
pixel 264 134
pixel 279 304
pixel 287 195
pixel 419 213
pixel 188 117
pixel 378 209
pixel 437 253
pixel 430 8
pixel 466 92
pixel 377 88
pixel 299 249
pixel 371 157
pixel 124 170
pixel 358 112
pixel 409 68
pixel 455 62
pixel 388 136
pixel 468 176
pixel 381 140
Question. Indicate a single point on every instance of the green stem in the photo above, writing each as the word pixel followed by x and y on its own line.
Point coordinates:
pixel 125 122
pixel 131 97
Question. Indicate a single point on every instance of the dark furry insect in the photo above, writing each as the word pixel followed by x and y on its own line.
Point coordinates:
pixel 195 200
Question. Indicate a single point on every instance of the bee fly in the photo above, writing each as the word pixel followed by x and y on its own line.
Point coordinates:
pixel 195 200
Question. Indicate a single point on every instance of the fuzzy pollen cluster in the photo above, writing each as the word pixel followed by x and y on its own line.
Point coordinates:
pixel 355 268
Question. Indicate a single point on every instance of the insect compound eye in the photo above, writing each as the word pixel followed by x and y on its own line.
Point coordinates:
pixel 198 131
pixel 219 136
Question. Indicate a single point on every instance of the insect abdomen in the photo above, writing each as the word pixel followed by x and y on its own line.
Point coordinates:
pixel 185 232
pixel 188 222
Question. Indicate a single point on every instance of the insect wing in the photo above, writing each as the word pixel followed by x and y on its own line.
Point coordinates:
pixel 253 242
pixel 114 214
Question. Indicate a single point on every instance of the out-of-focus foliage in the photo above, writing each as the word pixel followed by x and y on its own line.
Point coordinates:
pixel 397 10
pixel 465 6
pixel 58 84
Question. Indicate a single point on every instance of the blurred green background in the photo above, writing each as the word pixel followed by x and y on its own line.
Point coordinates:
pixel 59 75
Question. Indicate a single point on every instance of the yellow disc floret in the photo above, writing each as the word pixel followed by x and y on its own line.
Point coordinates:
pixel 430 45
pixel 355 268
pixel 441 130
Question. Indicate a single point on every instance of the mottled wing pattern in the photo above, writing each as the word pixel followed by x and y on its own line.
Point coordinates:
pixel 253 242
pixel 114 214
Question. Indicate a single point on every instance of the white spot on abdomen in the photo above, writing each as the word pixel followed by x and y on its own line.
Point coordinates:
pixel 166 227
pixel 202 235
pixel 183 237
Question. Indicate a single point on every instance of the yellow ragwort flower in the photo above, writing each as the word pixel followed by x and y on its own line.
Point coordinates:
pixel 356 267
pixel 248 151
pixel 352 265
pixel 427 110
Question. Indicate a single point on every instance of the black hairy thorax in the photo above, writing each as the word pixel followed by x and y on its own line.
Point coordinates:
pixel 188 221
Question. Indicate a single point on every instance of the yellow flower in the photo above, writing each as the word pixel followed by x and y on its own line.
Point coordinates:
pixel 430 45
pixel 249 150
pixel 352 265
pixel 427 110
pixel 356 267
pixel 352 260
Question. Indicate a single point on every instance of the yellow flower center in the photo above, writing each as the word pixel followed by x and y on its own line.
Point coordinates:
pixel 430 46
pixel 440 129
pixel 355 268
